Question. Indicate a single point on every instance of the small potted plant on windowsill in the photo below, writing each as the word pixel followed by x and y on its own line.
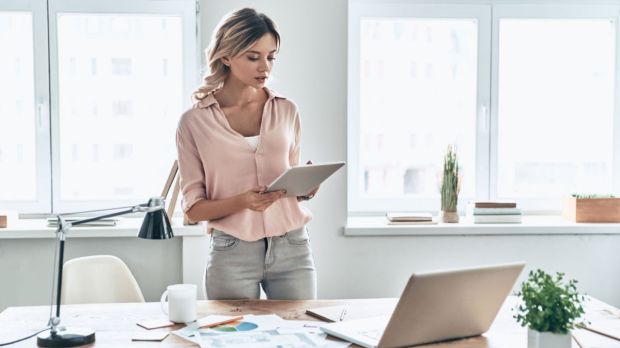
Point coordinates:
pixel 592 208
pixel 549 309
pixel 450 187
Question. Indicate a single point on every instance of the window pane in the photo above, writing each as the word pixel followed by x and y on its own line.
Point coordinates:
pixel 417 95
pixel 556 97
pixel 121 94
pixel 17 128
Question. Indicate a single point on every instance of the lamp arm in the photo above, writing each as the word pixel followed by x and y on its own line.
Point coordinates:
pixel 61 231
pixel 155 226
pixel 154 204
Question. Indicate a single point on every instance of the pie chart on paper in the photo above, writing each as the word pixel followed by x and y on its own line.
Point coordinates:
pixel 236 326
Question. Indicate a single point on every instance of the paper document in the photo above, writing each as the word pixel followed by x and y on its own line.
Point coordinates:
pixel 343 313
pixel 257 331
pixel 268 339
pixel 409 216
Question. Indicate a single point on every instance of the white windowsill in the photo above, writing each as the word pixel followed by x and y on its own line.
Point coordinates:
pixel 125 227
pixel 531 225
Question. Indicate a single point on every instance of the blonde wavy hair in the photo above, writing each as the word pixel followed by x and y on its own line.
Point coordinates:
pixel 235 34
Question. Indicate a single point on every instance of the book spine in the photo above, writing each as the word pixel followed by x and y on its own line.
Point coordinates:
pixel 495 204
pixel 497 218
pixel 494 211
pixel 409 219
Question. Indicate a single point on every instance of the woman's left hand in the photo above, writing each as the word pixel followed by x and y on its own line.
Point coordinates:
pixel 313 192
pixel 310 194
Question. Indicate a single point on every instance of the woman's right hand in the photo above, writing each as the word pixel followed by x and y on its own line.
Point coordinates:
pixel 259 200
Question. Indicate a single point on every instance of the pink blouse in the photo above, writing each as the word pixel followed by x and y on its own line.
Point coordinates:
pixel 216 162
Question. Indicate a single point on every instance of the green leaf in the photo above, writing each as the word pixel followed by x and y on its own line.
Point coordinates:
pixel 548 303
pixel 450 180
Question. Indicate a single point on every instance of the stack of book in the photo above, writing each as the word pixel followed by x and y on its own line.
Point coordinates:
pixel 410 219
pixel 494 212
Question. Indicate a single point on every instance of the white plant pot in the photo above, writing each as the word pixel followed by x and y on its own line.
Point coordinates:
pixel 537 339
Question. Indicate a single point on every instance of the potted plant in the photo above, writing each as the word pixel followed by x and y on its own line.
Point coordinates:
pixel 450 186
pixel 549 309
pixel 592 208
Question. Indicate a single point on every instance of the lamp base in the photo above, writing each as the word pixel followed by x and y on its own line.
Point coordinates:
pixel 66 337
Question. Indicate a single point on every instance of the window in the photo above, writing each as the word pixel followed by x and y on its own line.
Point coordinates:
pixel 17 108
pixel 25 183
pixel 526 93
pixel 110 111
pixel 414 89
pixel 561 140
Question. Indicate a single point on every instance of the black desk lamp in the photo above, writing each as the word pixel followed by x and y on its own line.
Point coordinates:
pixel 155 226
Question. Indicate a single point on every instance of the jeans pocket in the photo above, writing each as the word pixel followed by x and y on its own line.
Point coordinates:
pixel 221 241
pixel 298 237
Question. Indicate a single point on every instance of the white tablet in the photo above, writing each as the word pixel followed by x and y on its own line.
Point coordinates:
pixel 299 181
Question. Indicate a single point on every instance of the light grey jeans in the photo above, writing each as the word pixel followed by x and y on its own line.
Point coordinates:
pixel 283 265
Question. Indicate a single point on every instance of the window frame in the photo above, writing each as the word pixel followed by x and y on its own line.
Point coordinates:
pixel 487 98
pixel 187 9
pixel 357 204
pixel 38 10
pixel 544 205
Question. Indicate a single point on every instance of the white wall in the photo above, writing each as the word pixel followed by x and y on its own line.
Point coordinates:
pixel 311 70
pixel 27 265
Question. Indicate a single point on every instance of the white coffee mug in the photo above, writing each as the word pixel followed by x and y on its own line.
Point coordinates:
pixel 181 304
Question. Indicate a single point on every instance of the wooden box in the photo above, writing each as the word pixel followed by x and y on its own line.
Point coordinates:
pixel 7 218
pixel 592 209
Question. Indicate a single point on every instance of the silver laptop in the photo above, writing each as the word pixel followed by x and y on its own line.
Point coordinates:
pixel 436 306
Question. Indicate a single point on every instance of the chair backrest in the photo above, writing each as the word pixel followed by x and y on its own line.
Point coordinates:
pixel 98 279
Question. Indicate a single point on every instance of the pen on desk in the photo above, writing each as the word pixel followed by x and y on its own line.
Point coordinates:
pixel 598 332
pixel 577 341
pixel 342 314
pixel 221 322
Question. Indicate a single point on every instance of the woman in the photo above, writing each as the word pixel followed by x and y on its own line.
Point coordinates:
pixel 237 139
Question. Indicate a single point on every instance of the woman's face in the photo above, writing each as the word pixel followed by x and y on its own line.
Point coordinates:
pixel 253 66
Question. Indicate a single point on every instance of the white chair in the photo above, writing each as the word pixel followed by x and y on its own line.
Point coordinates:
pixel 98 279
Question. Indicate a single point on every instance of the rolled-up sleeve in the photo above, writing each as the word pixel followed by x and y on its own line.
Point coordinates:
pixel 190 168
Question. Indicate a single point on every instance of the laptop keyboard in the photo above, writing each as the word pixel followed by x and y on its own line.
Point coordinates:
pixel 374 334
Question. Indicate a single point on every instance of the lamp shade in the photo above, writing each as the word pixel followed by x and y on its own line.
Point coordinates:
pixel 156 226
